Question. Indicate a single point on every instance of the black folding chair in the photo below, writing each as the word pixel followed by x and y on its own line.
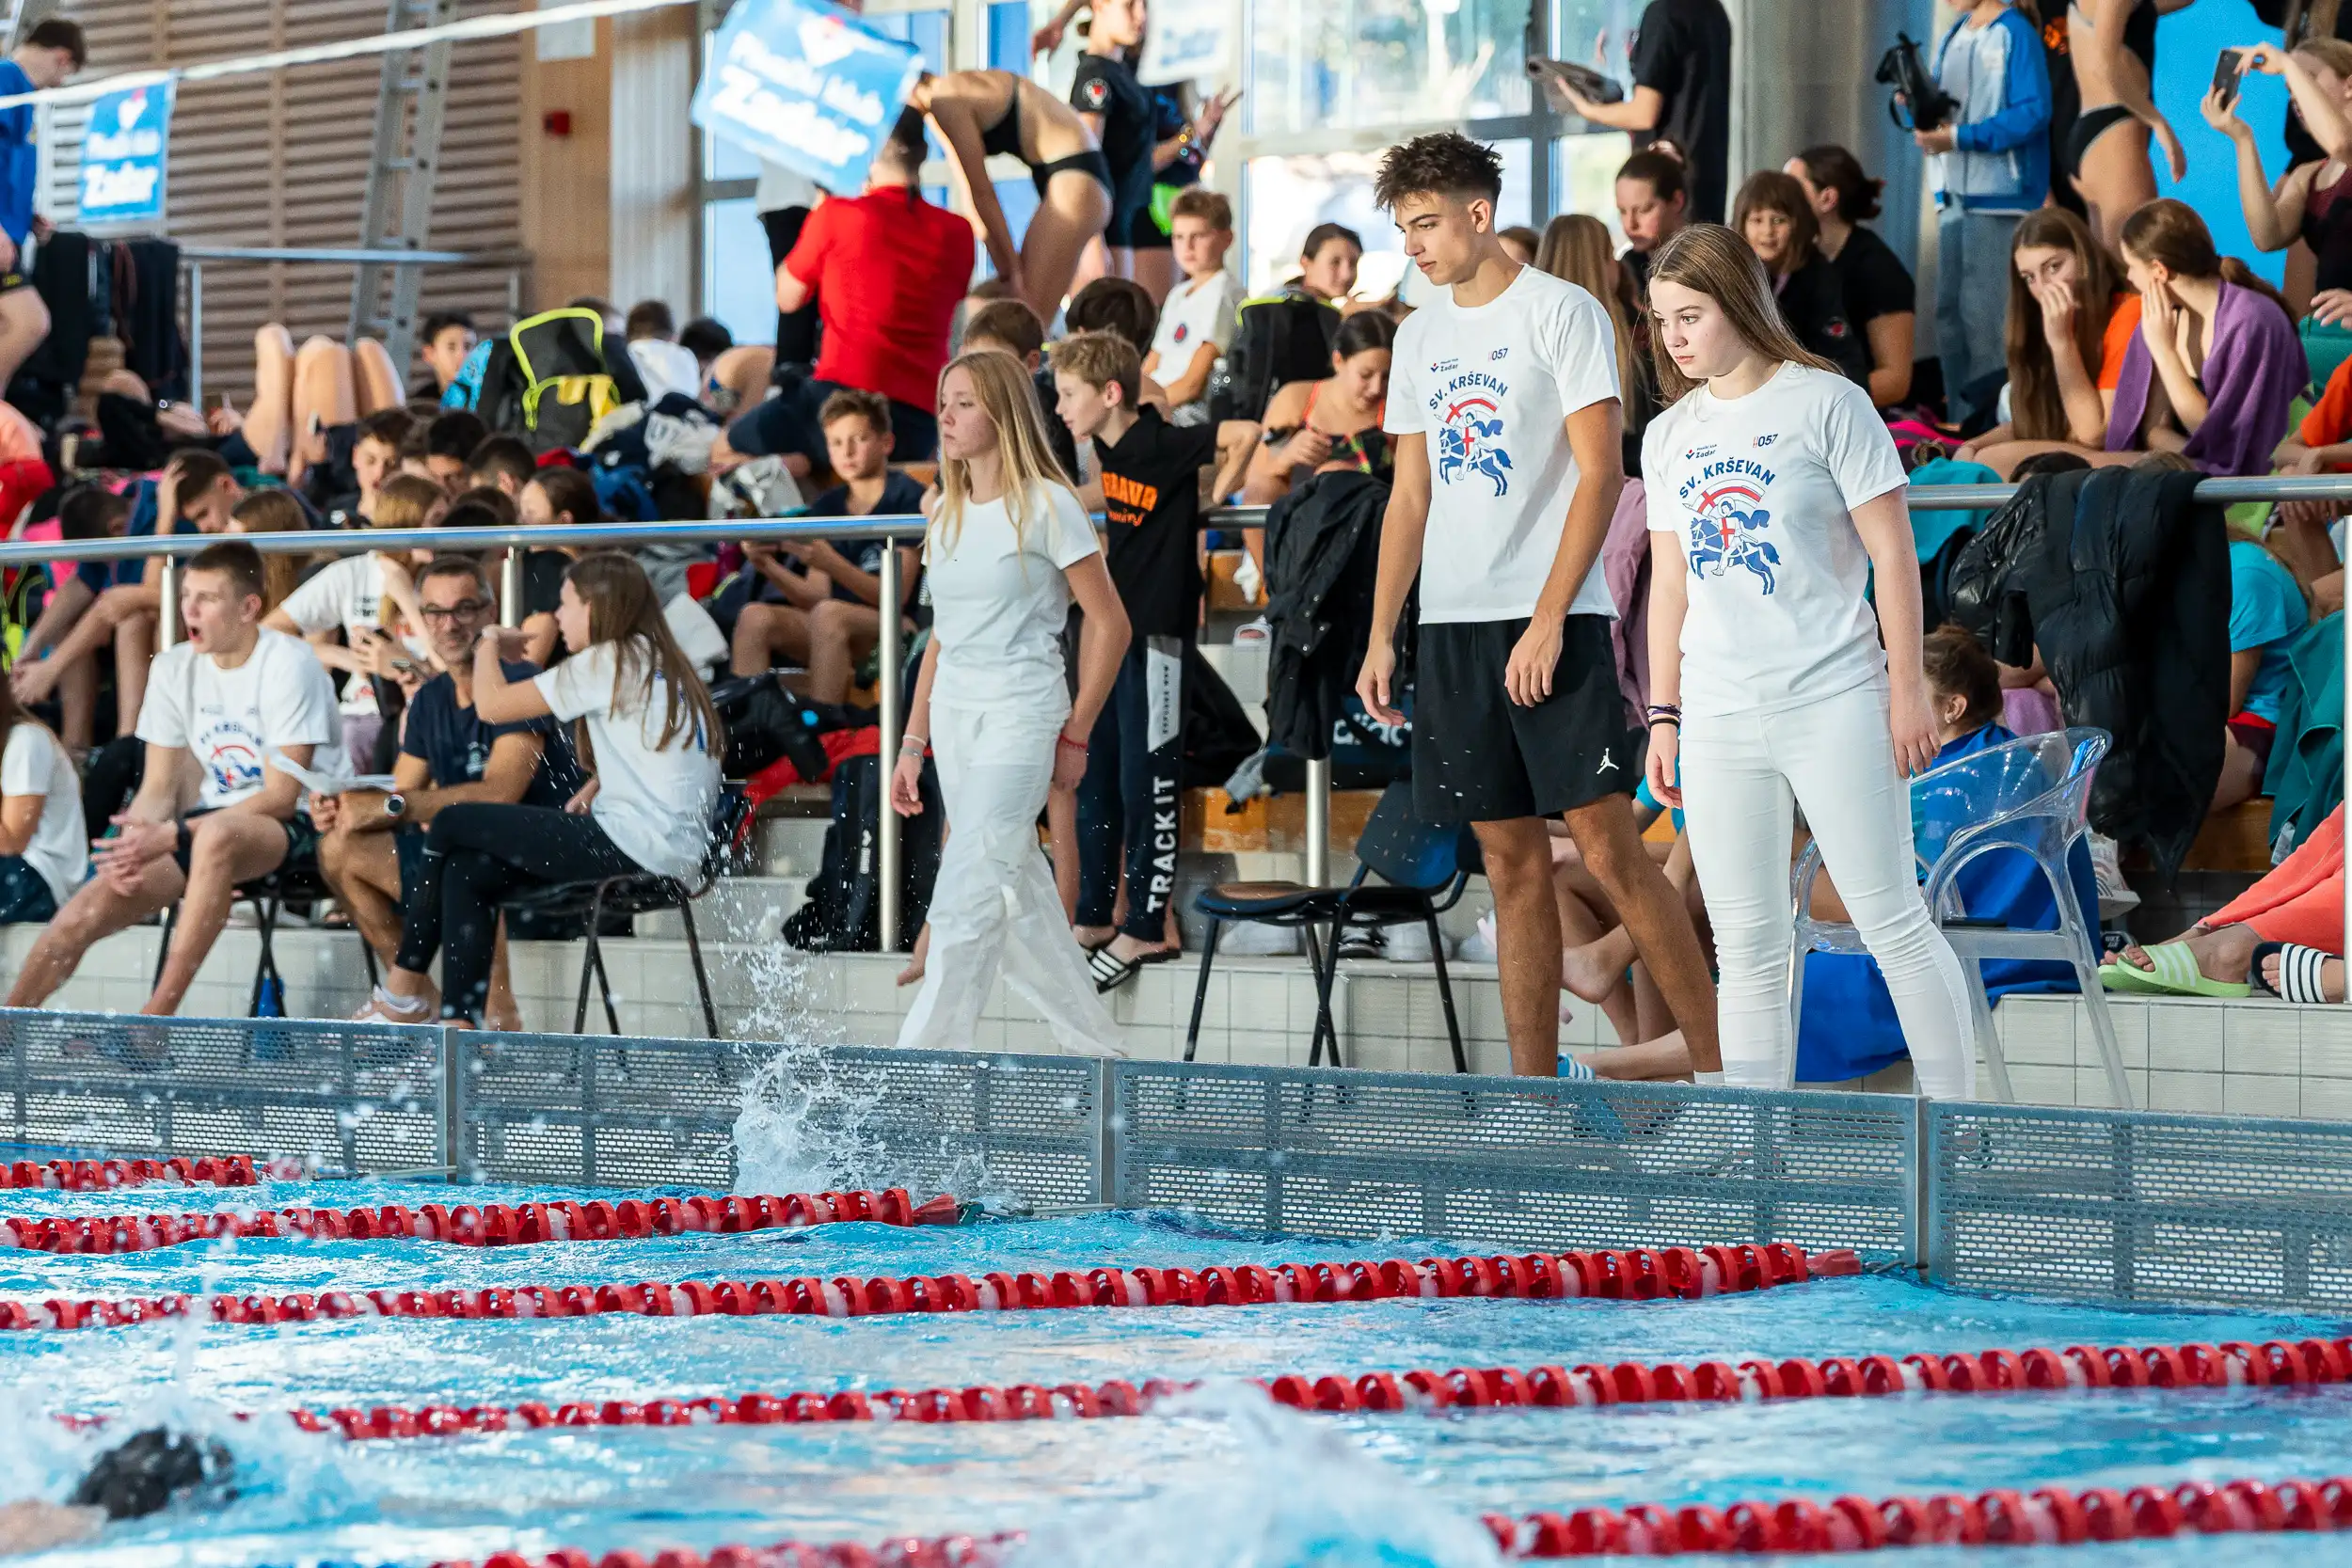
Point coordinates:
pixel 297 883
pixel 1422 869
pixel 640 893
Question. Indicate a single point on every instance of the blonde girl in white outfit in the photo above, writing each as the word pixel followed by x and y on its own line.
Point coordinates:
pixel 1010 548
pixel 1774 489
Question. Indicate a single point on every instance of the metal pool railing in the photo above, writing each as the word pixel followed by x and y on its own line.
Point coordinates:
pixel 515 542
pixel 2109 1206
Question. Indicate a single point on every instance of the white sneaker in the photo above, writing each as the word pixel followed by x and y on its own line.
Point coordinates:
pixel 2115 895
pixel 1407 944
pixel 1248 578
pixel 385 1008
pixel 1478 946
pixel 1249 939
pixel 1256 634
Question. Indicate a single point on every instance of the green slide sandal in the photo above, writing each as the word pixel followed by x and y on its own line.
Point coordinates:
pixel 2175 974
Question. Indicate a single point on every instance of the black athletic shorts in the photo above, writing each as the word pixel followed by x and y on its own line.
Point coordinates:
pixel 1480 757
pixel 302 843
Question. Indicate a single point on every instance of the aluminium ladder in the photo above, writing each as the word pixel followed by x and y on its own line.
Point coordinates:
pixel 411 103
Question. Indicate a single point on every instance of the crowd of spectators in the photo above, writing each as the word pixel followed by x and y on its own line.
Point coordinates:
pixel 367 714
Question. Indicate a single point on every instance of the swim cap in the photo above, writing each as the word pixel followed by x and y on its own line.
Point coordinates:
pixel 145 1474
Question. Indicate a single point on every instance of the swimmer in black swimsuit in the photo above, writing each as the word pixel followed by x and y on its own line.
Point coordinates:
pixel 984 113
pixel 2113 45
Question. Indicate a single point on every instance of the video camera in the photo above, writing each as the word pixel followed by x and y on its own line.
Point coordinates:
pixel 1557 79
pixel 1901 69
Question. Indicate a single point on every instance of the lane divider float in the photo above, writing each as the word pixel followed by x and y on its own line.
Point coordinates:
pixel 944 1551
pixel 91 1176
pixel 2050 1516
pixel 2235 1364
pixel 488 1225
pixel 1673 1273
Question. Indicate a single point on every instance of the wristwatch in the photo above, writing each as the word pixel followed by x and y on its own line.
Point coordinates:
pixel 395 804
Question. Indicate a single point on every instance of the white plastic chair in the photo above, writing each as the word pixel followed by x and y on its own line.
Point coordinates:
pixel 2030 795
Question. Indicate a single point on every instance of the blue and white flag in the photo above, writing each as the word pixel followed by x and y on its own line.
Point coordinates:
pixel 804 84
pixel 122 155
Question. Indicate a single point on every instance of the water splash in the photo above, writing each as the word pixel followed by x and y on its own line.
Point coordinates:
pixel 813 1121
pixel 1295 1493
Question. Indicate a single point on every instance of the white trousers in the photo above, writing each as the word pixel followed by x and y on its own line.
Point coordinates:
pixel 1837 758
pixel 994 900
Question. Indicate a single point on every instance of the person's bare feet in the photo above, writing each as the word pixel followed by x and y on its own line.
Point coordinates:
pixel 1126 949
pixel 2330 976
pixel 1092 937
pixel 1665 1057
pixel 1595 969
pixel 2224 955
pixel 914 971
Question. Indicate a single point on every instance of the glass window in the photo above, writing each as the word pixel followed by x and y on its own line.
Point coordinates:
pixel 1579 25
pixel 927 32
pixel 1018 198
pixel 1363 63
pixel 739 280
pixel 723 159
pixel 1283 197
pixel 1009 37
pixel 1584 176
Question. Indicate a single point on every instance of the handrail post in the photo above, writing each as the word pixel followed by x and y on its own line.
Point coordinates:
pixel 167 610
pixel 511 587
pixel 195 335
pixel 1319 823
pixel 891 718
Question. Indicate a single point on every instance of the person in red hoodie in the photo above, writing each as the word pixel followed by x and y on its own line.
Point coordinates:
pixel 887 270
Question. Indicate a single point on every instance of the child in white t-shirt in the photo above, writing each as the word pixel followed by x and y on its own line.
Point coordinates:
pixel 44 847
pixel 1773 490
pixel 1196 318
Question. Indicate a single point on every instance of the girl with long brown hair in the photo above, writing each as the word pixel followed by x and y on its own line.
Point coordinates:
pixel 2216 364
pixel 1774 492
pixel 1882 301
pixel 1577 248
pixel 2072 317
pixel 1774 214
pixel 1008 549
pixel 651 739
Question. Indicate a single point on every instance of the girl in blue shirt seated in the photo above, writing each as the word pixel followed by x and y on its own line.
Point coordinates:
pixel 2268 607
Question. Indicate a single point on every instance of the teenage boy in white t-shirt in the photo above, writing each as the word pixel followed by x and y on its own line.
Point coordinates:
pixel 1512 375
pixel 1197 319
pixel 218 704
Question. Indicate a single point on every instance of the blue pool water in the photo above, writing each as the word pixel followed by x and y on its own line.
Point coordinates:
pixel 1224 1478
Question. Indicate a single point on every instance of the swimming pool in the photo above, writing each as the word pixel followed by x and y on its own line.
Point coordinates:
pixel 1220 1476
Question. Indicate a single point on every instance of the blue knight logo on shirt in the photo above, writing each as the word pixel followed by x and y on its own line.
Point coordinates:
pixel 1727 526
pixel 1471 440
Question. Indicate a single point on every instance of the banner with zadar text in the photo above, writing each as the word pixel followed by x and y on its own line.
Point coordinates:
pixel 804 84
pixel 122 156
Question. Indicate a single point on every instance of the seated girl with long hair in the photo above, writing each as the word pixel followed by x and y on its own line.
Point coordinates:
pixel 1772 215
pixel 2071 318
pixel 1311 426
pixel 646 725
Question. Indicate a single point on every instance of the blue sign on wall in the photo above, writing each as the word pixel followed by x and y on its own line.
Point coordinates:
pixel 804 84
pixel 122 155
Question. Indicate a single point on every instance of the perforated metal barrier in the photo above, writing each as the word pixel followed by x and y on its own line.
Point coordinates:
pixel 361 1099
pixel 2140 1207
pixel 1514 1162
pixel 2090 1205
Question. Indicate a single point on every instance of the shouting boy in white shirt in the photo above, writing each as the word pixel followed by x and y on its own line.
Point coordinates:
pixel 226 699
pixel 1196 320
pixel 1504 410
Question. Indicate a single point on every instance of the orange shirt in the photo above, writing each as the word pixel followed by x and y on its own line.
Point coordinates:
pixel 2330 418
pixel 2123 321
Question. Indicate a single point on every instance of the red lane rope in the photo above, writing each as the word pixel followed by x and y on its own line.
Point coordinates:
pixel 2051 1516
pixel 1676 1272
pixel 2235 1364
pixel 91 1176
pixel 479 1225
pixel 944 1551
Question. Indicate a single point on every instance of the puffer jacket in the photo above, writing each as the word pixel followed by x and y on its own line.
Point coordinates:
pixel 1322 555
pixel 2121 579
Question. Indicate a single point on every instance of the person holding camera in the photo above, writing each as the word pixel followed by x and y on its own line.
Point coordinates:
pixel 1681 59
pixel 1991 153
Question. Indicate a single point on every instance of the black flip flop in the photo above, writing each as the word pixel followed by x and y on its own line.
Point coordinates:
pixel 1110 972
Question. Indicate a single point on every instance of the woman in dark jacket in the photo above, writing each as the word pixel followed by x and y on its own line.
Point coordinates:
pixel 1774 216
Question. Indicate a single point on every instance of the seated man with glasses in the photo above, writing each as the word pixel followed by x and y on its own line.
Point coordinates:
pixel 374 843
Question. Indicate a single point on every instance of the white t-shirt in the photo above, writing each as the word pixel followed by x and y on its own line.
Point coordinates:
pixel 665 368
pixel 998 602
pixel 1760 491
pixel 652 801
pixel 349 594
pixel 280 697
pixel 34 763
pixel 1490 387
pixel 1198 311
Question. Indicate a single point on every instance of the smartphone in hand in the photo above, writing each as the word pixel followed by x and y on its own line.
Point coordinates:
pixel 2229 74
